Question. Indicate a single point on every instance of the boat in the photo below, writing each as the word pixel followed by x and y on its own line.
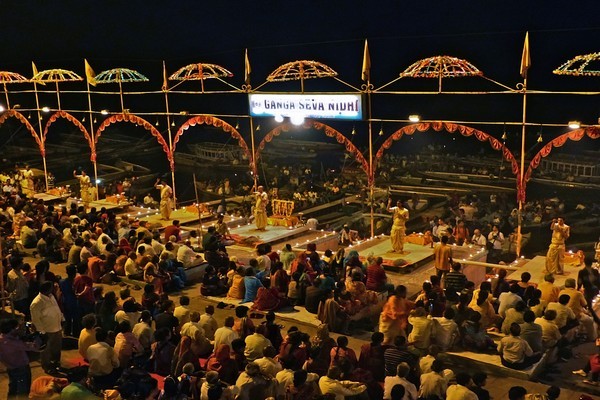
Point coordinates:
pixel 219 153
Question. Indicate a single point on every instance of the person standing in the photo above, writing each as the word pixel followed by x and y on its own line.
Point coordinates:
pixel 556 252
pixel 495 240
pixel 47 318
pixel 165 199
pixel 13 355
pixel 84 184
pixel 260 208
pixel 443 257
pixel 398 232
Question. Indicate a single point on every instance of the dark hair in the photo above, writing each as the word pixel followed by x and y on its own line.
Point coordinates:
pixel 479 378
pixel 377 337
pixel 515 329
pixel 462 378
pixel 398 392
pixel 564 299
pixel 241 311
pixel 300 377
pixel 437 366
pixel 7 325
pixel 101 335
pixel 516 392
pixel 184 301
pixel 528 316
pixel 342 341
pixel 88 321
pixel 525 277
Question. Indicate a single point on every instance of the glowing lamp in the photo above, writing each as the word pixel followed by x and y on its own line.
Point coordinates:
pixel 297 120
pixel 46 109
pixel 104 112
pixel 414 118
pixel 574 124
pixel 279 118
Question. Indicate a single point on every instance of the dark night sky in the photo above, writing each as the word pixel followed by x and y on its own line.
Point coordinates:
pixel 140 34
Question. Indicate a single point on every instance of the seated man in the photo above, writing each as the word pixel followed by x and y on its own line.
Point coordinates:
pixel 104 363
pixel 515 352
pixel 188 257
pixel 578 304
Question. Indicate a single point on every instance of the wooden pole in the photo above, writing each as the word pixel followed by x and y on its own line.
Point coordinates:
pixel 57 95
pixel 522 171
pixel 41 134
pixel 198 207
pixel 171 146
pixel 6 95
pixel 254 166
pixel 371 169
pixel 93 137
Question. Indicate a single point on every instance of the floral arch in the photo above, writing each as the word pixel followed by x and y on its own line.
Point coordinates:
pixel 134 119
pixel 13 113
pixel 63 114
pixel 451 128
pixel 217 123
pixel 329 131
pixel 593 132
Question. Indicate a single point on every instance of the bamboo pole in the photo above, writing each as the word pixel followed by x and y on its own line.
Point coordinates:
pixel 522 169
pixel 254 166
pixel 165 90
pixel 6 95
pixel 371 169
pixel 93 137
pixel 199 211
pixel 41 137
pixel 57 95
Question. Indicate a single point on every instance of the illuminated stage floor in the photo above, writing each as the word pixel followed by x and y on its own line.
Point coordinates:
pixel 536 267
pixel 413 255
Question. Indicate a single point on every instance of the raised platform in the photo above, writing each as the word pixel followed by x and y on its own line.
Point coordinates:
pixel 536 268
pixel 183 215
pixel 491 364
pixel 49 197
pixel 414 255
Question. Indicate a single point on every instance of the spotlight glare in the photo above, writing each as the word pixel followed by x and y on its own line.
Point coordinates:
pixel 414 118
pixel 46 109
pixel 2 108
pixel 104 112
pixel 297 120
pixel 279 118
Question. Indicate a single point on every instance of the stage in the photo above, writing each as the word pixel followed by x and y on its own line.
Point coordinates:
pixel 413 256
pixel 536 267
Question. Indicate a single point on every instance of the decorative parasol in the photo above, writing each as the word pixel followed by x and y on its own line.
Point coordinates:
pixel 301 70
pixel 120 75
pixel 55 75
pixel 441 67
pixel 200 72
pixel 10 77
pixel 579 66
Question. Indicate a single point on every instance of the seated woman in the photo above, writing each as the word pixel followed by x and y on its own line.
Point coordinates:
pixel 333 314
pixel 269 299
pixel 127 346
pixel 211 284
pixel 236 288
pixel 475 336
pixel 352 263
pixel 359 292
pixel 342 352
pixel 279 279
pixel 304 262
pixel 483 306
pixel 220 361
pixel 152 275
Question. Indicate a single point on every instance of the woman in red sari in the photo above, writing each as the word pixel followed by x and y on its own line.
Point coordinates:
pixel 221 362
pixel 394 316
pixel 279 278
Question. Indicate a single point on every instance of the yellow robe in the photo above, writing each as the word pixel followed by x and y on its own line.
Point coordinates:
pixel 398 233
pixel 165 201
pixel 260 210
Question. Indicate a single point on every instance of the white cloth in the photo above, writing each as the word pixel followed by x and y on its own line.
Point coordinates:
pixel 225 335
pixel 45 314
pixel 507 300
pixel 255 344
pixel 340 389
pixel 268 366
pixel 410 392
pixel 102 358
pixel 187 256
pixel 460 392
pixel 209 324
pixel 433 384
pixel 445 331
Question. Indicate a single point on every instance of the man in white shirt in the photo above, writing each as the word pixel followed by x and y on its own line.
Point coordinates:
pixel 182 311
pixel 563 312
pixel 209 323
pixel 410 390
pixel 104 362
pixel 332 385
pixel 515 352
pixel 550 333
pixel 460 391
pixel 445 330
pixel 268 365
pixel 435 382
pixel 478 239
pixel 508 299
pixel 47 317
pixel 256 343
pixel 187 256
pixel 226 334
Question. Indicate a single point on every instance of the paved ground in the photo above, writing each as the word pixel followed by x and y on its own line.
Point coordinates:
pixel 498 386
